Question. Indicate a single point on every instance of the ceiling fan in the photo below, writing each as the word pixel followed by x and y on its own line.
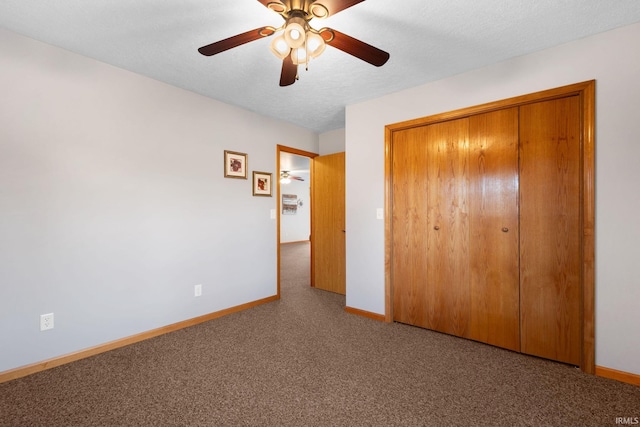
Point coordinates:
pixel 300 42
pixel 286 177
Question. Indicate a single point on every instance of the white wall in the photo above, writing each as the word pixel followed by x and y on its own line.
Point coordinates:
pixel 332 142
pixel 296 228
pixel 613 59
pixel 113 203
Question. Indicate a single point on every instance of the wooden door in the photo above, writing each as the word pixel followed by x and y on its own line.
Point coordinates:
pixel 430 271
pixel 328 223
pixel 550 245
pixel 493 229
pixel 447 227
pixel 408 221
pixel 550 195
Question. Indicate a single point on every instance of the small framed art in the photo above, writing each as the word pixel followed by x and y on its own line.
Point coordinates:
pixel 289 204
pixel 235 164
pixel 261 184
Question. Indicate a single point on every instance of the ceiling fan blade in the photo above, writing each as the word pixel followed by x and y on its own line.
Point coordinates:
pixel 354 47
pixel 297 178
pixel 240 39
pixel 289 72
pixel 334 6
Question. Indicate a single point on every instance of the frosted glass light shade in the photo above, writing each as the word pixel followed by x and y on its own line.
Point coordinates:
pixel 299 56
pixel 315 45
pixel 279 47
pixel 294 33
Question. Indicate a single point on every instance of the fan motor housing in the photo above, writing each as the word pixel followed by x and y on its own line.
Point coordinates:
pixel 307 9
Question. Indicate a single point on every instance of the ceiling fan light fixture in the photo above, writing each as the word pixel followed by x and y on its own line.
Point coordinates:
pixel 298 42
pixel 279 47
pixel 284 178
pixel 299 56
pixel 315 45
pixel 294 33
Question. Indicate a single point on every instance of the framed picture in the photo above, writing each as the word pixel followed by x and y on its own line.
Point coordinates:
pixel 289 204
pixel 235 165
pixel 261 184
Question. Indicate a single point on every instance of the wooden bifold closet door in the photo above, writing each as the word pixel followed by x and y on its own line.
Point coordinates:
pixel 550 261
pixel 447 226
pixel 493 229
pixel 409 268
pixel 430 219
pixel 485 227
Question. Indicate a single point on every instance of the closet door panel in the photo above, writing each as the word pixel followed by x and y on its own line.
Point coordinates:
pixel 409 246
pixel 493 229
pixel 447 227
pixel 550 254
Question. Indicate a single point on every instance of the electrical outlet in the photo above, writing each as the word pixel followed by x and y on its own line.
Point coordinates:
pixel 197 291
pixel 46 321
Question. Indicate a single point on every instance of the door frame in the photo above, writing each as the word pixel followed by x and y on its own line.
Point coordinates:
pixel 586 93
pixel 311 156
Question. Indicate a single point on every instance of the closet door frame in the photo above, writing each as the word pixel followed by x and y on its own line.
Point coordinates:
pixel 586 93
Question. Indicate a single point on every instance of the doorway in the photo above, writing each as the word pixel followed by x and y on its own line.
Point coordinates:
pixel 294 215
pixel 326 206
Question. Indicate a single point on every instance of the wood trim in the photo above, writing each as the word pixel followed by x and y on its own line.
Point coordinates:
pixel 388 232
pixel 295 151
pixel 586 92
pixel 587 96
pixel 312 224
pixel 561 92
pixel 367 314
pixel 33 368
pixel 614 374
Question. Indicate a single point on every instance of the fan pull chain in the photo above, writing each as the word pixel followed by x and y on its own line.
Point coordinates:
pixel 306 59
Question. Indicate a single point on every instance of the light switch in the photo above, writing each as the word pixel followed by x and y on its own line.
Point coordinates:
pixel 380 213
pixel 273 214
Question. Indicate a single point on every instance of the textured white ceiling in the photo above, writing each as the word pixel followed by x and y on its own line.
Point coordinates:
pixel 427 39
